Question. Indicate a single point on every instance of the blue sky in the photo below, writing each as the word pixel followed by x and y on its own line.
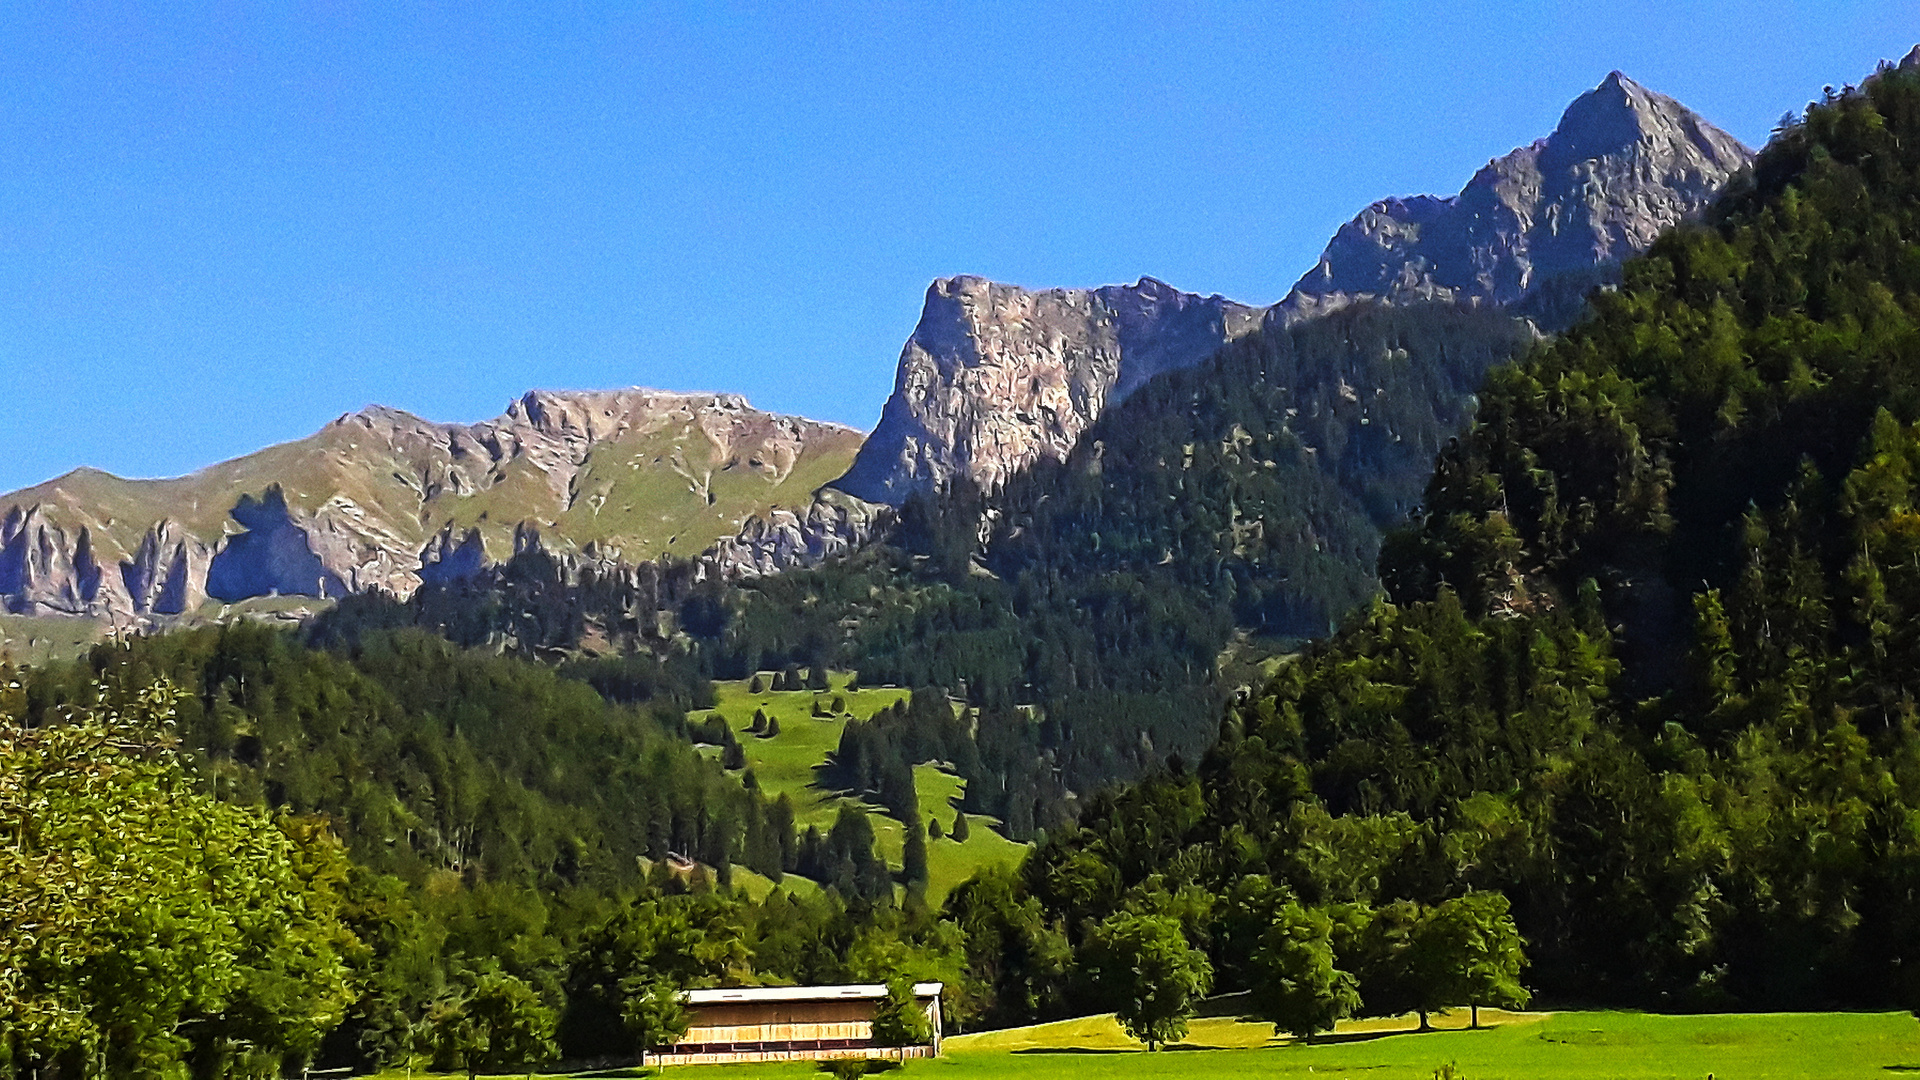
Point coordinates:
pixel 222 225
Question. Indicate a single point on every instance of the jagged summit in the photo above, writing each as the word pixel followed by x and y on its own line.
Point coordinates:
pixel 996 377
pixel 379 498
pixel 1623 163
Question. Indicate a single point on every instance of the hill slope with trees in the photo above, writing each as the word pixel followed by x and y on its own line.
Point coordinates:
pixel 1647 671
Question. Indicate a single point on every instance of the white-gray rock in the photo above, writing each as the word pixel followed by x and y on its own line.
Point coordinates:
pixel 1623 165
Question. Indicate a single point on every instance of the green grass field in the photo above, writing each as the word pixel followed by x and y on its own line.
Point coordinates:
pixel 787 763
pixel 46 639
pixel 1558 1046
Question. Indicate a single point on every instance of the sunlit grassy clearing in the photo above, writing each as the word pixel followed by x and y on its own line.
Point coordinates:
pixel 787 764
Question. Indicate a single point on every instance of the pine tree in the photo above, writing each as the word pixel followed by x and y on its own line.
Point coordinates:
pixel 913 861
pixel 960 829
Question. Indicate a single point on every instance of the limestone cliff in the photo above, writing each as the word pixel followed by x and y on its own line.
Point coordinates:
pixel 996 377
pixel 1624 164
pixel 382 499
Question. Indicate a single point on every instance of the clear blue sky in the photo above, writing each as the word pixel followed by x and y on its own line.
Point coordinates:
pixel 221 225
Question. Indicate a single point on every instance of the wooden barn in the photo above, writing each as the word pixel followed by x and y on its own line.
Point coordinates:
pixel 790 1023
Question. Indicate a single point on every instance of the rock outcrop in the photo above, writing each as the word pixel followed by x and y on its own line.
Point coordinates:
pixel 1624 164
pixel 835 523
pixel 381 499
pixel 996 377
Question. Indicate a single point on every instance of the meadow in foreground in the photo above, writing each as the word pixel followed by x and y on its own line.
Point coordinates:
pixel 1512 1046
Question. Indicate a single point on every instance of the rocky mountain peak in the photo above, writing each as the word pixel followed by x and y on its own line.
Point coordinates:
pixel 996 377
pixel 1623 164
pixel 381 498
pixel 1620 115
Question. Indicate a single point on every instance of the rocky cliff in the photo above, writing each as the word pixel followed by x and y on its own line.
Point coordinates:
pixel 382 499
pixel 1624 164
pixel 996 377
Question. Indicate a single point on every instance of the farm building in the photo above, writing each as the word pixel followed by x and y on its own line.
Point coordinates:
pixel 790 1023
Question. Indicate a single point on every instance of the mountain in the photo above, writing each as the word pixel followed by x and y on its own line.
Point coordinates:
pixel 996 377
pixel 1624 164
pixel 382 499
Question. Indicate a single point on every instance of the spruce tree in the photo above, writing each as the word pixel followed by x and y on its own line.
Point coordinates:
pixel 960 829
pixel 913 861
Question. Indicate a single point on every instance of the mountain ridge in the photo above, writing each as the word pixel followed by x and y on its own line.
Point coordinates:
pixel 375 496
pixel 1623 164
pixel 996 378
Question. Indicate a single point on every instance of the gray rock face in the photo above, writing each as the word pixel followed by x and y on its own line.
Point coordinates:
pixel 835 523
pixel 996 377
pixel 381 499
pixel 1624 164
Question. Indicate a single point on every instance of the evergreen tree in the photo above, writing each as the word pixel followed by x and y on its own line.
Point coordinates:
pixel 914 862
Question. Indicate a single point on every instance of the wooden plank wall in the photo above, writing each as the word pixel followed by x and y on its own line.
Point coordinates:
pixel 781 1021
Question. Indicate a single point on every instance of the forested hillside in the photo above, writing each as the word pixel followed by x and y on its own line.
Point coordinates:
pixel 1648 669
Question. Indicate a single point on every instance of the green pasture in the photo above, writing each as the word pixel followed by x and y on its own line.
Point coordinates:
pixel 1535 1046
pixel 45 639
pixel 788 763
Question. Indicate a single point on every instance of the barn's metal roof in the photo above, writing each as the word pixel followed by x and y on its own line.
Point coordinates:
pixel 747 994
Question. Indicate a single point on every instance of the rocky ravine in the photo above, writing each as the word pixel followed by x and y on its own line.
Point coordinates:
pixel 1623 165
pixel 996 377
pixel 381 498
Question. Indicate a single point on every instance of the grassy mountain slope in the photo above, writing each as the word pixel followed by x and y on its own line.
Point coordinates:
pixel 794 763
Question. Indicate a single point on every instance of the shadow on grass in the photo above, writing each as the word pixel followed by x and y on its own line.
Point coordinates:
pixel 1324 1039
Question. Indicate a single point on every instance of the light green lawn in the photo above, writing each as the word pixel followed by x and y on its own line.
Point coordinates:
pixel 787 762
pixel 1560 1046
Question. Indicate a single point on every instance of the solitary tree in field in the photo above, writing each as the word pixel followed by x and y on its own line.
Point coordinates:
pixel 1144 967
pixel 1296 985
pixel 960 830
pixel 1473 942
